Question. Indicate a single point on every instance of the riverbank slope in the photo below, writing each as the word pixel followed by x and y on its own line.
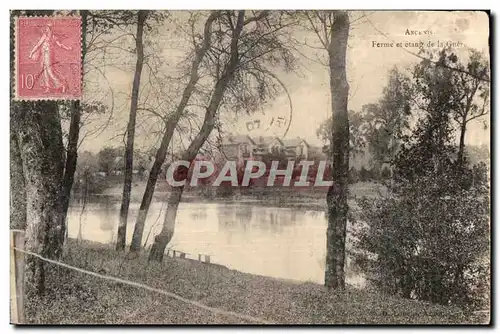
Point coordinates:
pixel 73 297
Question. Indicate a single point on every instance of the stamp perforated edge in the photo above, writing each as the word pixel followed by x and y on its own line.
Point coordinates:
pixel 14 82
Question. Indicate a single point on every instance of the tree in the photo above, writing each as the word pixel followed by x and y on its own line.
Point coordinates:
pixel 141 162
pixel 427 245
pixel 357 129
pixel 106 159
pixel 471 95
pixel 387 119
pixel 427 239
pixel 94 25
pixel 129 148
pixel 433 94
pixel 36 141
pixel 17 185
pixel 74 133
pixel 200 52
pixel 39 137
pixel 332 30
pixel 242 48
pixel 161 241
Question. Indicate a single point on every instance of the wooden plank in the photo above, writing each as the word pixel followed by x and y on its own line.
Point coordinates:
pixel 19 242
pixel 18 238
pixel 13 296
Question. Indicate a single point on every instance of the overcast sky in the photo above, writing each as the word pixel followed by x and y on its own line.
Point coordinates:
pixel 367 74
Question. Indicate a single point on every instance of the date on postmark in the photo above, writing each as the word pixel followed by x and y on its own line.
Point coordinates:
pixel 48 60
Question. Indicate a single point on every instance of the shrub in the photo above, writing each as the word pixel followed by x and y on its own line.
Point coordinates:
pixel 386 173
pixel 353 175
pixel 428 241
pixel 364 174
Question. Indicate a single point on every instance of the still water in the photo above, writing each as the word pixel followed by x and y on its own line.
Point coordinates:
pixel 271 241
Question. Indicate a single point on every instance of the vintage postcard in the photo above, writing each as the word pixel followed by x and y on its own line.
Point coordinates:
pixel 250 167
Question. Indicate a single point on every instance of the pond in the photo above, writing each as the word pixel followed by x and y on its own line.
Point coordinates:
pixel 271 241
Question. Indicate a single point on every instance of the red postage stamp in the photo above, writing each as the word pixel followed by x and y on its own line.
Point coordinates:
pixel 48 58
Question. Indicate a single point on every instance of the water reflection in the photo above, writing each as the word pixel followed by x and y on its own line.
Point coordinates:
pixel 271 241
pixel 198 213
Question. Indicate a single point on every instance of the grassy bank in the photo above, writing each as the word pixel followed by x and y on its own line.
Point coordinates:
pixel 76 298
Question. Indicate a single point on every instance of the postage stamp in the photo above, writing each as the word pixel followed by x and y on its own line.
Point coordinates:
pixel 48 58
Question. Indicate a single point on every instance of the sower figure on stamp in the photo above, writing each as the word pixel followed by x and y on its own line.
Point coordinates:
pixel 46 45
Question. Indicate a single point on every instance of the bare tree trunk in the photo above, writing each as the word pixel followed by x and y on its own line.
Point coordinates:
pixel 129 149
pixel 461 145
pixel 73 136
pixel 42 153
pixel 167 232
pixel 71 157
pixel 167 136
pixel 339 146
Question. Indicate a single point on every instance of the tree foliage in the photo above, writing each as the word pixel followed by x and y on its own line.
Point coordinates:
pixel 428 239
pixel 357 132
pixel 428 243
pixel 387 119
pixel 232 69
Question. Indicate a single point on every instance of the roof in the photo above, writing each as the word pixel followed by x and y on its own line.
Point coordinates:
pixel 267 140
pixel 315 149
pixel 318 152
pixel 263 142
pixel 294 142
pixel 239 139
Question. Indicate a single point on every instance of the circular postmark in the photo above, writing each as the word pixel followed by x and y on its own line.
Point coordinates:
pixel 267 122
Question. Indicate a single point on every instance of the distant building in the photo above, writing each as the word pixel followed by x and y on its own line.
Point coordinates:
pixel 269 145
pixel 245 147
pixel 297 148
pixel 238 147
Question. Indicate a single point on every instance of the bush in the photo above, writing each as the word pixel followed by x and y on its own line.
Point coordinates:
pixel 94 183
pixel 353 175
pixel 428 241
pixel 375 174
pixel 386 173
pixel 364 174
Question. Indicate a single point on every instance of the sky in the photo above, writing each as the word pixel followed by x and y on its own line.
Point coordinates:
pixel 367 67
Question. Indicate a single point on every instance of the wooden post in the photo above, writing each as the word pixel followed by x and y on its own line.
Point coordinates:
pixel 183 255
pixel 173 253
pixel 207 258
pixel 17 277
pixel 13 296
pixel 199 257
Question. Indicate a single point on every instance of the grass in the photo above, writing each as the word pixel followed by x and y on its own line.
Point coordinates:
pixel 76 298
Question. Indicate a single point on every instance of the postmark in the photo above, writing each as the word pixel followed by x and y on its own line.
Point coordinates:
pixel 48 61
pixel 270 123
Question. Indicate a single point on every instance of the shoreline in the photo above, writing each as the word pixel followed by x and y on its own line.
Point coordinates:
pixel 282 199
pixel 76 298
